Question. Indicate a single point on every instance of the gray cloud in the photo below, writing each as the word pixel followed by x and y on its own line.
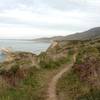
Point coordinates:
pixel 13 21
pixel 57 4
pixel 79 15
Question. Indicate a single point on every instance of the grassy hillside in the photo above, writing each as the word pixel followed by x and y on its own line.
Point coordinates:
pixel 83 81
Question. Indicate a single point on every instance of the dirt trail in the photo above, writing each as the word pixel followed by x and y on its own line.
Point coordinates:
pixel 52 85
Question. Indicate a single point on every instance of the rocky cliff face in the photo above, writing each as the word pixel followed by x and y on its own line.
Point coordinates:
pixel 21 59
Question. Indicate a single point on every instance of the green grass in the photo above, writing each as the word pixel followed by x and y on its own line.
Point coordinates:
pixel 51 64
pixel 30 88
pixel 73 89
pixel 92 95
pixel 70 84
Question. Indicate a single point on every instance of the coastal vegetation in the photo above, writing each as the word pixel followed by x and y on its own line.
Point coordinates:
pixel 26 76
pixel 83 81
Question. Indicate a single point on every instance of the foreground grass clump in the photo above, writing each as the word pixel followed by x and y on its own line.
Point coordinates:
pixel 70 87
pixel 21 80
pixel 31 87
pixel 92 95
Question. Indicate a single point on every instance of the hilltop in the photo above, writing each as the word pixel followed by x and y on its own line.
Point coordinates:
pixel 89 34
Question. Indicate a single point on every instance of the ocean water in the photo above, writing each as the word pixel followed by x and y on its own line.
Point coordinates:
pixel 23 45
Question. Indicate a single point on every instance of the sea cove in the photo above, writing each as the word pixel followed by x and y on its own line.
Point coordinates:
pixel 22 46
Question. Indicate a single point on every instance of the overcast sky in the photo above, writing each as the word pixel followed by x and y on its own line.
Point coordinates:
pixel 45 18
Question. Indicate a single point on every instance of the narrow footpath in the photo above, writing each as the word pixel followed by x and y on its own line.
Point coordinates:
pixel 52 85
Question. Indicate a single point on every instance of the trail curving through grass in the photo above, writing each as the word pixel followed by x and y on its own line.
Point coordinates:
pixel 52 85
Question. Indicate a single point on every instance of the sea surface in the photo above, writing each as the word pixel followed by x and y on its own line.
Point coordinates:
pixel 23 45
